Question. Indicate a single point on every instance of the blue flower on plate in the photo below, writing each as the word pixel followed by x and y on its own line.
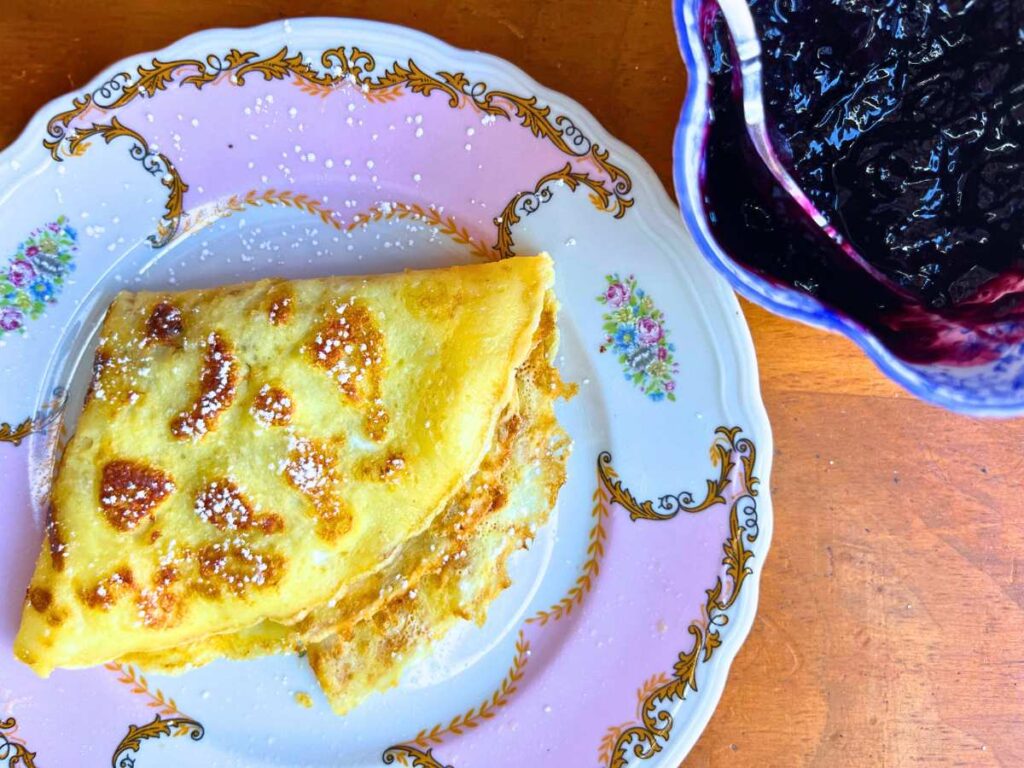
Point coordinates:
pixel 624 338
pixel 41 290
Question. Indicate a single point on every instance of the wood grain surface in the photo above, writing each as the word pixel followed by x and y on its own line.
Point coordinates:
pixel 891 630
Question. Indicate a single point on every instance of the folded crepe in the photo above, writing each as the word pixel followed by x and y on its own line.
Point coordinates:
pixel 321 465
pixel 451 571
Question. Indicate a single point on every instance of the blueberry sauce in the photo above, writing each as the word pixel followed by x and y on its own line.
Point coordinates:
pixel 903 121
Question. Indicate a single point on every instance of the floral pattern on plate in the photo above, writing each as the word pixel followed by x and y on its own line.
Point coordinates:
pixel 635 331
pixel 35 274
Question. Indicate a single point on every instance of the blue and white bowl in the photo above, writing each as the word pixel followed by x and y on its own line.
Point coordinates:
pixel 995 388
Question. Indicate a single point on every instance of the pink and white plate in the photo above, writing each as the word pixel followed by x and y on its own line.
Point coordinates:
pixel 334 146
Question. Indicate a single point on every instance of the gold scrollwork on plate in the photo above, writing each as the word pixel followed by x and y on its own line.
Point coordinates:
pixel 340 66
pixel 16 433
pixel 431 216
pixel 407 755
pixel 13 751
pixel 352 66
pixel 159 727
pixel 724 452
pixel 155 163
pixel 611 736
pixel 641 739
pixel 254 198
pixel 525 203
pixel 169 720
pixel 137 683
pixel 595 552
pixel 421 746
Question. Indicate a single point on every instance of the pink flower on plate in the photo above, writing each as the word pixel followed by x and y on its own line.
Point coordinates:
pixel 617 295
pixel 649 331
pixel 670 386
pixel 20 273
pixel 32 250
pixel 662 353
pixel 10 319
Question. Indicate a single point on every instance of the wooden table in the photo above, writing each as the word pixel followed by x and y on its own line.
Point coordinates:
pixel 891 629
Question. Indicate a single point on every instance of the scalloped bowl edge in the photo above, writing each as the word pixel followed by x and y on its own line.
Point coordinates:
pixel 784 301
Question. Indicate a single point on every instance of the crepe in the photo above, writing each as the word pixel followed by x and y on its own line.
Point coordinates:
pixel 250 456
pixel 450 572
pixel 462 569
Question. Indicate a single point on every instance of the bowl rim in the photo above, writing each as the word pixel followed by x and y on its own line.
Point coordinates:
pixel 787 302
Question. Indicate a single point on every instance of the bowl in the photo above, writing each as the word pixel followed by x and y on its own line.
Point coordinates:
pixel 994 387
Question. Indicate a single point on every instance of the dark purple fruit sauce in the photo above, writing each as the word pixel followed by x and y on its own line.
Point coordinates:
pixel 903 121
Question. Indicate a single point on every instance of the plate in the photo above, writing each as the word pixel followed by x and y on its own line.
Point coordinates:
pixel 333 146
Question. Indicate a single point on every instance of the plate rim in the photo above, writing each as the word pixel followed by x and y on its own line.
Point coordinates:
pixel 747 399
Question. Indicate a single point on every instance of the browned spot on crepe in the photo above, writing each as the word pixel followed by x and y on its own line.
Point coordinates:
pixel 217 384
pixel 39 598
pixel 272 406
pixel 222 504
pixel 280 304
pixel 104 593
pixel 159 605
pixel 238 566
pixel 113 379
pixel 312 469
pixel 384 468
pixel 164 325
pixel 55 538
pixel 350 347
pixel 130 490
